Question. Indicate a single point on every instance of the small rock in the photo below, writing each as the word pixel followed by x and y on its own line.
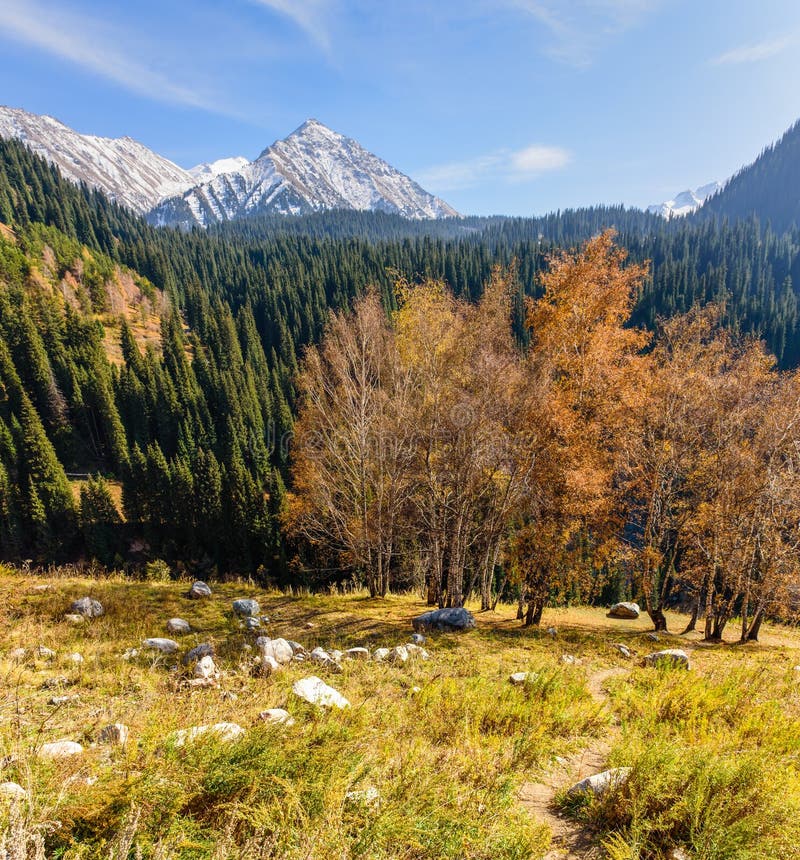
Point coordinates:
pixel 266 665
pixel 205 668
pixel 280 649
pixel 654 637
pixel 74 618
pixel 357 653
pixel 115 734
pixel 599 783
pixel 316 692
pixel 322 658
pixel 252 624
pixel 205 649
pixel 63 700
pixel 519 678
pixel 17 655
pixel 246 608
pixel 624 610
pixel 45 653
pixel 380 654
pixel 398 655
pixel 678 854
pixel 221 731
pixel 199 590
pixel 552 632
pixel 623 650
pixel 75 658
pixel 417 638
pixel 415 690
pixel 130 654
pixel 451 620
pixel 364 797
pixel 670 656
pixel 569 660
pixel 87 607
pixel 12 791
pixel 165 646
pixel 178 625
pixel 309 625
pixel 60 749
pixel 297 648
pixel 228 696
pixel 55 682
pixel 279 716
pixel 38 589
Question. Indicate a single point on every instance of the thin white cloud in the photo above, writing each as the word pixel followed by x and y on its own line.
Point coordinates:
pixel 578 29
pixel 521 165
pixel 96 48
pixel 312 16
pixel 754 53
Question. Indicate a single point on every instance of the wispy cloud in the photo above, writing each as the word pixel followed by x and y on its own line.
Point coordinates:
pixel 754 53
pixel 96 47
pixel 507 165
pixel 312 16
pixel 578 29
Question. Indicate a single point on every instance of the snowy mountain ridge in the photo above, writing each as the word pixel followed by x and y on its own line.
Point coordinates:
pixel 313 169
pixel 686 202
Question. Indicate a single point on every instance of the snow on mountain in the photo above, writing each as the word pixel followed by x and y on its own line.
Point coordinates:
pixel 686 202
pixel 124 169
pixel 312 169
pixel 207 171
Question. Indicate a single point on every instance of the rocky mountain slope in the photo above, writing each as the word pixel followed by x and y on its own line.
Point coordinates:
pixel 686 202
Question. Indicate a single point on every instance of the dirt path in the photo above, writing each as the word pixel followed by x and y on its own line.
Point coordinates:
pixel 570 840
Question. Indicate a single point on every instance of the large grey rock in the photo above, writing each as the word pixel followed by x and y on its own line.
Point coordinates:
pixel 357 653
pixel 417 651
pixel 218 731
pixel 447 620
pixel 60 749
pixel 279 648
pixel 206 669
pixel 379 655
pixel 518 679
pixel 316 692
pixel 74 618
pixel 398 655
pixel 199 590
pixel 165 646
pixel 322 658
pixel 45 653
pixel 246 607
pixel 178 626
pixel 205 649
pixel 670 656
pixel 115 734
pixel 88 607
pixel 75 658
pixel 599 783
pixel 624 610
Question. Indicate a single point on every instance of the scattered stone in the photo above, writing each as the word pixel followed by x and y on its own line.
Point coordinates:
pixel 280 649
pixel 75 658
pixel 364 797
pixel 417 638
pixel 653 637
pixel 205 649
pixel 322 658
pixel 297 648
pixel 266 665
pixel 264 619
pixel 357 653
pixel 336 655
pixel 60 749
pixel 624 610
pixel 17 655
pixel 519 678
pixel 552 632
pixel 380 654
pixel 178 625
pixel 131 654
pixel 88 607
pixel 246 608
pixel 252 624
pixel 199 590
pixel 678 854
pixel 45 653
pixel 623 650
pixel 446 620
pixel 309 625
pixel 599 783
pixel 13 791
pixel 37 589
pixel 398 655
pixel 674 656
pixel 316 692
pixel 74 618
pixel 278 716
pixel 570 660
pixel 228 696
pixel 165 646
pixel 115 734
pixel 221 731
pixel 417 651
pixel 415 690
pixel 54 683
pixel 205 668
pixel 63 700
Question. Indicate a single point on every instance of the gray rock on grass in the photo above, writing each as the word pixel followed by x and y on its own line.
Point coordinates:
pixel 88 607
pixel 178 626
pixel 316 692
pixel 451 620
pixel 199 590
pixel 668 657
pixel 115 734
pixel 157 643
pixel 599 783
pixel 60 749
pixel 246 607
pixel 624 610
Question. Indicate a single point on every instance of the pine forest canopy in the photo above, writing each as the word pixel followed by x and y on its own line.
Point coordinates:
pixel 188 418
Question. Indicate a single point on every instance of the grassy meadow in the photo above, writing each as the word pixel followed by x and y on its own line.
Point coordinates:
pixel 448 744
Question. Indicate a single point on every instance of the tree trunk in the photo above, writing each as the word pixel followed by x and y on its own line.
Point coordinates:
pixel 533 617
pixel 755 627
pixel 693 620
pixel 658 618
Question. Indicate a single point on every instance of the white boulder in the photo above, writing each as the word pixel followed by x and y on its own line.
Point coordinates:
pixel 316 692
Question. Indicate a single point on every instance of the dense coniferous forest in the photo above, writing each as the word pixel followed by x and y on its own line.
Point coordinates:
pixel 126 445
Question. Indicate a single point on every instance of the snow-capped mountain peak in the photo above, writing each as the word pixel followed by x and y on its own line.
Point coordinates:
pixel 208 170
pixel 313 169
pixel 126 170
pixel 686 202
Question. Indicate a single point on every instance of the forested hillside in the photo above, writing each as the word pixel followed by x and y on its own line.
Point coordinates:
pixel 163 364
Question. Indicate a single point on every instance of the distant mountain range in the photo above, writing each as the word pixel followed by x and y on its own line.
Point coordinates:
pixel 686 202
pixel 311 170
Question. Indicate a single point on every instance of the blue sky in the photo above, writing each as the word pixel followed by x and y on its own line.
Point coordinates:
pixel 499 106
